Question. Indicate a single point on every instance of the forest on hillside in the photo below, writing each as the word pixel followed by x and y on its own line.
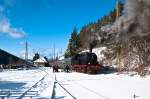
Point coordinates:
pixel 124 31
pixel 92 32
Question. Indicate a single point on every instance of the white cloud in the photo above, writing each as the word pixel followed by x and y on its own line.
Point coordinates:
pixel 5 26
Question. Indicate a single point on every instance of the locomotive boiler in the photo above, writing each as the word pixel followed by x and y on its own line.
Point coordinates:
pixel 85 62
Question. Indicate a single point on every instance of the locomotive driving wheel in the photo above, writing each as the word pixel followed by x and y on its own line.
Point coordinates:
pixel 92 70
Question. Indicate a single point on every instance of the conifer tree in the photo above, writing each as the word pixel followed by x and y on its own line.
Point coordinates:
pixel 36 56
pixel 74 44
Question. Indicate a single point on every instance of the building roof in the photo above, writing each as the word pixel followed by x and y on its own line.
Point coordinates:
pixel 40 60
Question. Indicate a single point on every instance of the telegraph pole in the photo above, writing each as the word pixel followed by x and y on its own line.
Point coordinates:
pixel 54 51
pixel 117 9
pixel 26 53
pixel 120 48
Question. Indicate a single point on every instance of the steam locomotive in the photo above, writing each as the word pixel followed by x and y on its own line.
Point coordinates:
pixel 85 62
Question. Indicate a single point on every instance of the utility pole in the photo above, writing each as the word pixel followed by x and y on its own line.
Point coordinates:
pixel 117 9
pixel 26 53
pixel 57 56
pixel 117 15
pixel 54 51
pixel 60 52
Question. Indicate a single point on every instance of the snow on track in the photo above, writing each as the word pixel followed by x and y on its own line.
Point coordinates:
pixel 60 92
pixel 24 84
pixel 39 84
pixel 109 86
pixel 74 91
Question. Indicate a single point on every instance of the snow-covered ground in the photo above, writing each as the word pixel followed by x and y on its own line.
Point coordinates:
pixel 39 84
pixel 103 86
pixel 35 83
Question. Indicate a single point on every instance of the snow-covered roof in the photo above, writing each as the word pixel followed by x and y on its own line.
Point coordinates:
pixel 61 58
pixel 40 60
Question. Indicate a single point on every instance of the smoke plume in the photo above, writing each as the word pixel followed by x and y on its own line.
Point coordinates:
pixel 135 20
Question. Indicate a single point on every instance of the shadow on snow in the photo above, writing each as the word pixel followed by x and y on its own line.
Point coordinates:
pixel 11 85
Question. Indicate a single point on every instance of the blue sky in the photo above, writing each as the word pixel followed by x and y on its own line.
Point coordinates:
pixel 44 23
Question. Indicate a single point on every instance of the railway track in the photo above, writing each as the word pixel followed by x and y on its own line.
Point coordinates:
pixel 30 89
pixel 67 95
pixel 39 83
pixel 78 86
pixel 30 92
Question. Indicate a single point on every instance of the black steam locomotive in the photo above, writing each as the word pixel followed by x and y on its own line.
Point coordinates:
pixel 85 62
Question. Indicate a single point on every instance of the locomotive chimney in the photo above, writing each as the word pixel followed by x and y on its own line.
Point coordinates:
pixel 90 48
pixel 92 45
pixel 93 41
